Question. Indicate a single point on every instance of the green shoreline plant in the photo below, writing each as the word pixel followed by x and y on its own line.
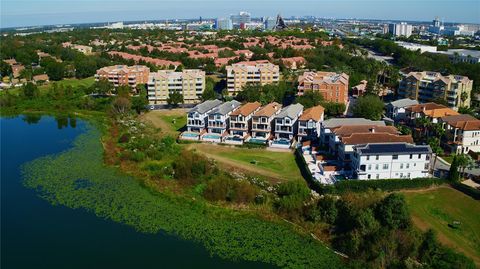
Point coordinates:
pixel 77 178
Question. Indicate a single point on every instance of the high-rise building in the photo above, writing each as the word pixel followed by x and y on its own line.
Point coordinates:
pixel 400 29
pixel 255 72
pixel 333 86
pixel 430 86
pixel 190 83
pixel 223 24
pixel 241 18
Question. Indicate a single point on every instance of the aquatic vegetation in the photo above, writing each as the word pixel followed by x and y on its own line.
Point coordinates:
pixel 77 178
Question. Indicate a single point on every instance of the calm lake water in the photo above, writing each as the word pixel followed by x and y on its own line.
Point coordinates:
pixel 36 234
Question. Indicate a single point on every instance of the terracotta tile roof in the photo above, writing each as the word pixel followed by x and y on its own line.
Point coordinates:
pixel 440 112
pixel 365 138
pixel 268 110
pixel 463 122
pixel 348 130
pixel 426 106
pixel 314 113
pixel 246 109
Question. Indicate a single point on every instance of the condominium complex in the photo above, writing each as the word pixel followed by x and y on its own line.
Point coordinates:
pixel 429 86
pixel 223 24
pixel 462 133
pixel 333 86
pixel 241 18
pixel 309 123
pixel 400 29
pixel 241 119
pixel 120 75
pixel 262 121
pixel 255 72
pixel 190 83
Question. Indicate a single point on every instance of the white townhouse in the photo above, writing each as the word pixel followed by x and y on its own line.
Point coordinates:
pixel 396 109
pixel 286 122
pixel 262 122
pixel 309 123
pixel 241 119
pixel 391 160
pixel 218 121
pixel 197 116
pixel 462 133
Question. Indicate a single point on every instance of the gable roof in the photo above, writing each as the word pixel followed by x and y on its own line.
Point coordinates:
pixel 463 121
pixel 268 110
pixel 206 106
pixel 247 109
pixel 426 106
pixel 314 113
pixel 225 108
pixel 404 102
pixel 290 111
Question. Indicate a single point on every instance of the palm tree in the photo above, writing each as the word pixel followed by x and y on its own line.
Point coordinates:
pixel 464 161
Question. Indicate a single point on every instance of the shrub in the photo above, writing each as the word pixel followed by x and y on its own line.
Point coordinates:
pixel 292 196
pixel 223 188
pixel 382 184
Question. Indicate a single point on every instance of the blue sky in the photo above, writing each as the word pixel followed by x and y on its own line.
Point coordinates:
pixel 40 12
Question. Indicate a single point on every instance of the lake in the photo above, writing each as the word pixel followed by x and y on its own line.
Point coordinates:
pixel 37 234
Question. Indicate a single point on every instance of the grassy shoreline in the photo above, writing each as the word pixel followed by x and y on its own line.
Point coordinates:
pixel 228 233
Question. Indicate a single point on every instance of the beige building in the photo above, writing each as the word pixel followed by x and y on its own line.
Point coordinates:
pixel 255 72
pixel 430 86
pixel 124 75
pixel 190 83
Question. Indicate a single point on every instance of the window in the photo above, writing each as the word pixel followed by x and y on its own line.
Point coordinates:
pixel 376 167
pixel 368 158
pixel 376 157
pixel 369 176
pixel 411 156
pixel 377 176
pixel 395 157
pixel 401 166
pixel 401 175
pixel 408 165
pixel 385 166
pixel 369 167
pixel 419 156
pixel 408 175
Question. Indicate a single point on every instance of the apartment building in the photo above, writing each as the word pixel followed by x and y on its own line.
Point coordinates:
pixel 120 75
pixel 262 122
pixel 427 86
pixel 432 111
pixel 462 133
pixel 391 160
pixel 309 123
pixel 396 110
pixel 218 120
pixel 400 29
pixel 190 83
pixel 286 122
pixel 241 119
pixel 333 86
pixel 254 72
pixel 197 117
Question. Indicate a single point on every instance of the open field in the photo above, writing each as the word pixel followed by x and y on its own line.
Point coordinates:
pixel 86 82
pixel 169 121
pixel 436 208
pixel 271 164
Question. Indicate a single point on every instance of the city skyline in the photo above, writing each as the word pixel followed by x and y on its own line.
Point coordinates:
pixel 21 13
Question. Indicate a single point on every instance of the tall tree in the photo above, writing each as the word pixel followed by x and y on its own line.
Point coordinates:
pixel 369 107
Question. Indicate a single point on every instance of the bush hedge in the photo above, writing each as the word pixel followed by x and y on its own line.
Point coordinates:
pixel 474 193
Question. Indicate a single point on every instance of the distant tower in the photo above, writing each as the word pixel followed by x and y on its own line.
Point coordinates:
pixel 436 22
pixel 200 19
pixel 280 25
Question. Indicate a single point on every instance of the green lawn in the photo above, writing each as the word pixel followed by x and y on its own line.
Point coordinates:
pixel 86 82
pixel 448 159
pixel 437 208
pixel 279 165
pixel 176 122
